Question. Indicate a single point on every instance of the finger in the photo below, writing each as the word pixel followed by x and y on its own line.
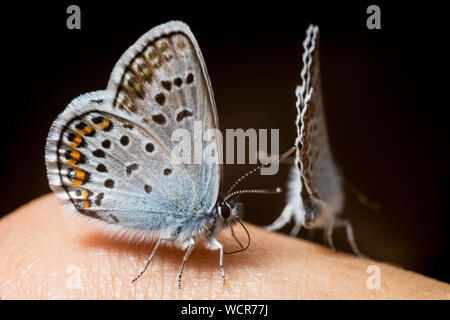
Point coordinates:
pixel 47 254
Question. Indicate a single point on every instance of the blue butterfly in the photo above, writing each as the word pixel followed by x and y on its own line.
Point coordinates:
pixel 108 155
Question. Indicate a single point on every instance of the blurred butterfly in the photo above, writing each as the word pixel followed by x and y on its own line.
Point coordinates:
pixel 315 194
pixel 108 155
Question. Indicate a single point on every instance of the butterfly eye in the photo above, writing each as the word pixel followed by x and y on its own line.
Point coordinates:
pixel 225 211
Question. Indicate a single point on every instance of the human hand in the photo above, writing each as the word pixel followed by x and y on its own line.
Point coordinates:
pixel 49 255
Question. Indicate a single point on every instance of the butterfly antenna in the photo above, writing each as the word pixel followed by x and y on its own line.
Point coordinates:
pixel 361 197
pixel 248 244
pixel 261 191
pixel 283 156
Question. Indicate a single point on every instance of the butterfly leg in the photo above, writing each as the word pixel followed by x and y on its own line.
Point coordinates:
pixel 350 236
pixel 282 220
pixel 186 256
pixel 219 247
pixel 328 234
pixel 298 225
pixel 151 256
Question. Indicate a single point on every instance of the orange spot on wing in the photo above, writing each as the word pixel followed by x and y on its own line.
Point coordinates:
pixel 104 124
pixel 77 183
pixel 76 142
pixel 75 157
pixel 79 177
pixel 85 131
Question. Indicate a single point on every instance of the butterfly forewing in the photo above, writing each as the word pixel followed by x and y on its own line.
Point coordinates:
pixel 162 79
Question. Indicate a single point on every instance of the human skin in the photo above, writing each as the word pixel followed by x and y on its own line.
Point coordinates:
pixel 46 254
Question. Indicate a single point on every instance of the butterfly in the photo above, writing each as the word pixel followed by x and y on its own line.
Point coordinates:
pixel 315 191
pixel 108 154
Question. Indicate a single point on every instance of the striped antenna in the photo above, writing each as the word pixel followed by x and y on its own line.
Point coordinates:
pixel 283 156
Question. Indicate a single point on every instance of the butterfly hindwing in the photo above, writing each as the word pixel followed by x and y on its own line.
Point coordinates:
pixel 98 163
pixel 320 179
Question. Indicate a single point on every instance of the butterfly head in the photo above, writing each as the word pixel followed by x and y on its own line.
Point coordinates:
pixel 226 213
pixel 229 211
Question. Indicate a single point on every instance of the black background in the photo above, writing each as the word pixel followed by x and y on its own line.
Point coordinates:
pixel 385 101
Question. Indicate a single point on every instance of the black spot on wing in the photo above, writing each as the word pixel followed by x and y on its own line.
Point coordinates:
pixel 159 119
pixel 178 82
pixel 149 147
pixel 81 126
pixel 190 78
pixel 124 140
pixel 160 98
pixel 99 153
pixel 131 168
pixel 97 120
pixel 166 85
pixel 109 183
pixel 106 144
pixel 99 198
pixel 101 168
